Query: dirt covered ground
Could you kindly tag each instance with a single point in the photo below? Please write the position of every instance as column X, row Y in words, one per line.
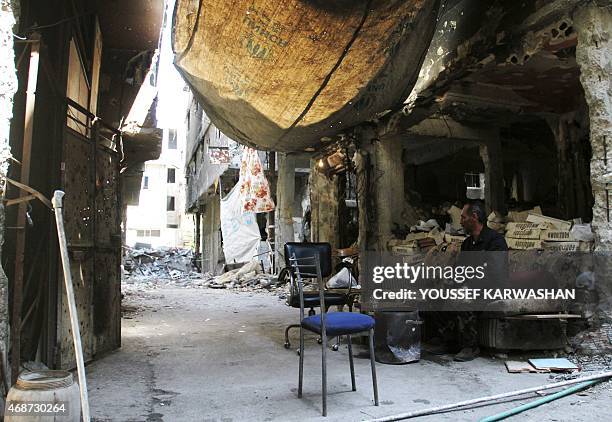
column 202, row 354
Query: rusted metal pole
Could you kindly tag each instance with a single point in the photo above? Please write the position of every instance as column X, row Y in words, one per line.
column 58, row 207
column 28, row 131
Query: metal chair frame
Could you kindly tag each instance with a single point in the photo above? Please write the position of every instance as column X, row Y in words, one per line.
column 298, row 264
column 292, row 291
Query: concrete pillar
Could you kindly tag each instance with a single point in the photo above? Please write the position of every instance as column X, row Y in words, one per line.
column 271, row 175
column 8, row 87
column 324, row 207
column 361, row 161
column 285, row 196
column 380, row 190
column 491, row 155
column 388, row 188
column 594, row 56
column 211, row 240
column 196, row 237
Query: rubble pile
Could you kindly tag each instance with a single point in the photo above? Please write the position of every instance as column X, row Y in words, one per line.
column 248, row 277
column 150, row 268
column 596, row 341
column 159, row 263
column 426, row 235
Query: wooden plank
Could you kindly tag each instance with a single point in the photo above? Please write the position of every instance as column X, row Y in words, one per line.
column 95, row 71
column 518, row 367
column 555, row 222
column 28, row 132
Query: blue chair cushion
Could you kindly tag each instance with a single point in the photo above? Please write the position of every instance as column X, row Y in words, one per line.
column 339, row 323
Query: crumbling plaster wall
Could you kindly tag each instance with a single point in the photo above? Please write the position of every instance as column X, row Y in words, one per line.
column 594, row 56
column 8, row 87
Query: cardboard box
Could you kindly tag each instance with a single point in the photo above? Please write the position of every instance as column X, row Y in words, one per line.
column 526, row 226
column 449, row 238
column 417, row 235
column 521, row 216
column 403, row 243
column 437, row 235
column 498, row 227
column 405, row 250
column 524, row 244
column 568, row 246
column 555, row 222
column 524, row 234
column 496, row 217
column 552, row 235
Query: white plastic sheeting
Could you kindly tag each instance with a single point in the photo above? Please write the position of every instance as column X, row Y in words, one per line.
column 240, row 231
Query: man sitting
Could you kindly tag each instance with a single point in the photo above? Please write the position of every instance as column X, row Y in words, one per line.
column 461, row 328
column 480, row 238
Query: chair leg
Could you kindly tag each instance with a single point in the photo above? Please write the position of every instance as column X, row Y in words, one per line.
column 301, row 376
column 287, row 343
column 373, row 363
column 324, row 374
column 336, row 346
column 350, row 350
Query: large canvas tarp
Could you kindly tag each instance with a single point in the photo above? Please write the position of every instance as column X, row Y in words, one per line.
column 282, row 74
column 239, row 229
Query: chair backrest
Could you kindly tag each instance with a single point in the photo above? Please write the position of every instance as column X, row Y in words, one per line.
column 308, row 250
column 308, row 267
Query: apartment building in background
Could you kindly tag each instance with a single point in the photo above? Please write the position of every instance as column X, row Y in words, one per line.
column 159, row 219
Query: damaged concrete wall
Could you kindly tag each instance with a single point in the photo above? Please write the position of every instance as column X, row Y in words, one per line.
column 8, row 87
column 389, row 189
column 285, row 198
column 594, row 56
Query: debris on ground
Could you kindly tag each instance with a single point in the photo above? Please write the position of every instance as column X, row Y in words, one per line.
column 249, row 276
column 146, row 269
column 594, row 341
column 169, row 263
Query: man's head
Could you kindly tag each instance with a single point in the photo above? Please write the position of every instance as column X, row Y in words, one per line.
column 473, row 217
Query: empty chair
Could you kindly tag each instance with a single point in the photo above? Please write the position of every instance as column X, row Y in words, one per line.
column 311, row 299
column 328, row 323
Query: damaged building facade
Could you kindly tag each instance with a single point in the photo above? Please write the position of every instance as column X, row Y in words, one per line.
column 511, row 104
column 78, row 114
column 503, row 101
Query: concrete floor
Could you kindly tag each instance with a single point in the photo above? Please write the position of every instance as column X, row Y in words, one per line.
column 217, row 355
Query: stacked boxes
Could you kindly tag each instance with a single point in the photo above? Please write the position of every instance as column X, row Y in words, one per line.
column 546, row 233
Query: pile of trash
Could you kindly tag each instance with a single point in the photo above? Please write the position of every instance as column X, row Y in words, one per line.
column 159, row 263
column 426, row 235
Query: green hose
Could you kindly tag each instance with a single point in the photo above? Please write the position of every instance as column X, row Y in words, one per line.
column 539, row 402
